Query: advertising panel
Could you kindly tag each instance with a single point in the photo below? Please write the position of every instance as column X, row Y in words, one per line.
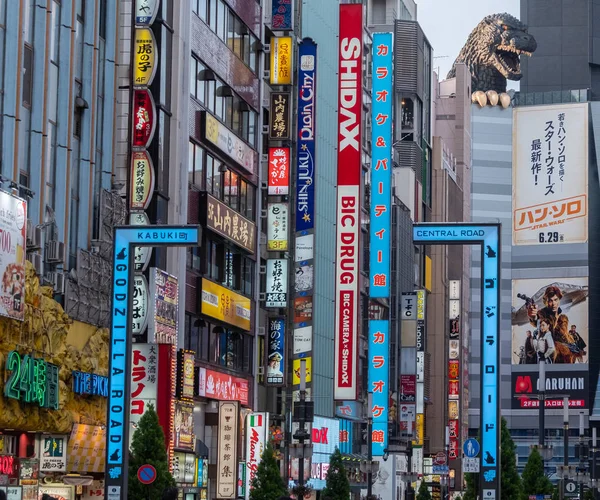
column 13, row 229
column 279, row 171
column 228, row 223
column 281, row 60
column 408, row 412
column 222, row 386
column 221, row 303
column 381, row 167
column 227, row 449
column 550, row 320
column 349, row 172
column 304, row 278
column 145, row 11
column 54, row 453
column 560, row 380
column 144, row 64
column 279, row 116
column 229, row 143
column 142, row 180
column 140, row 313
column 165, row 296
column 304, row 247
column 277, row 283
column 303, row 307
column 550, row 174
column 184, row 467
column 185, row 374
column 296, row 370
column 257, row 428
column 282, row 15
column 302, row 339
column 307, row 99
column 276, row 352
column 277, row 227
column 144, row 382
column 379, row 373
column 325, row 438
column 183, row 426
column 408, row 388
column 345, row 436
column 144, row 118
column 86, row 449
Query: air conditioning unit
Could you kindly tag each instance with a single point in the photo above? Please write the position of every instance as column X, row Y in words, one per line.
column 267, row 74
column 37, row 261
column 57, row 280
column 55, row 251
column 30, row 231
column 34, row 237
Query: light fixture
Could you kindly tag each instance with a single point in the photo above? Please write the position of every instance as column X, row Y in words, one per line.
column 81, row 103
column 224, row 91
column 206, row 75
column 386, row 454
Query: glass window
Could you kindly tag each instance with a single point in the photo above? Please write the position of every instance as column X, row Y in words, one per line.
column 219, row 104
column 250, row 202
column 55, row 31
column 200, row 84
column 252, row 53
column 209, row 173
column 243, row 195
column 212, row 7
column 236, row 120
column 199, row 167
column 252, row 128
column 247, row 40
column 247, row 275
column 234, row 191
column 191, row 155
column 210, row 95
column 216, row 185
column 238, row 45
column 27, row 76
column 202, row 7
column 228, row 111
column 231, row 31
column 193, row 77
column 221, row 20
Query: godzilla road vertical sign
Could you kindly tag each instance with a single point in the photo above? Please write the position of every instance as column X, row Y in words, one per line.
column 348, row 200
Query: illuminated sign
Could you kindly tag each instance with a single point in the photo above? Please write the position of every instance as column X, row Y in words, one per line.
column 144, row 62
column 276, row 352
column 282, row 15
column 227, row 450
column 32, row 380
column 279, row 116
column 145, row 11
column 488, row 237
column 225, row 305
column 140, row 304
column 185, row 372
column 125, row 239
column 144, row 118
column 345, row 436
column 281, row 60
column 566, row 380
column 222, row 386
column 183, row 426
column 305, row 157
column 277, row 227
column 90, row 384
column 144, row 382
column 164, row 313
column 257, row 428
column 379, row 373
column 277, row 283
column 381, row 167
column 142, row 180
column 279, row 171
column 53, row 454
column 229, row 143
column 349, row 174
column 228, row 223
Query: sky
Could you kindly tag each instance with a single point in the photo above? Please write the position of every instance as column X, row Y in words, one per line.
column 447, row 24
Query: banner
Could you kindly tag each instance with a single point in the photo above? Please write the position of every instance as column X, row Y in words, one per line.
column 165, row 297
column 140, row 309
column 185, row 374
column 379, row 374
column 560, row 380
column 142, row 180
column 257, row 428
column 221, row 303
column 144, row 118
column 222, row 386
column 550, row 174
column 276, row 352
column 550, row 320
column 349, row 173
column 307, row 98
column 381, row 167
column 54, row 453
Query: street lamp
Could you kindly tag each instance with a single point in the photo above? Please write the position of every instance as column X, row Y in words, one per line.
column 370, row 467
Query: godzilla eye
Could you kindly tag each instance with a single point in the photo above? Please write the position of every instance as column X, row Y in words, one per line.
column 504, row 27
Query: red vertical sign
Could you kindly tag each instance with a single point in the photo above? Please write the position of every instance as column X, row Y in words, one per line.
column 348, row 200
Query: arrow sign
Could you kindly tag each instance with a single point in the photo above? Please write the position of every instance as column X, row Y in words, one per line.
column 146, row 474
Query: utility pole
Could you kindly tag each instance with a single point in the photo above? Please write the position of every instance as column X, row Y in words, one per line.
column 303, row 413
column 582, row 452
column 370, row 445
column 565, row 444
column 542, row 402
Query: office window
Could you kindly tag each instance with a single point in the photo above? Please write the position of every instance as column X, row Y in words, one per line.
column 27, row 76
column 210, row 95
column 221, row 19
column 196, row 165
column 212, row 14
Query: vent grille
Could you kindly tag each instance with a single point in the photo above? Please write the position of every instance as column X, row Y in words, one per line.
column 406, row 74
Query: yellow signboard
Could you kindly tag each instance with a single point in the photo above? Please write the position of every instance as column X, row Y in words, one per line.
column 296, row 368
column 220, row 303
column 144, row 57
column 281, row 60
column 420, row 428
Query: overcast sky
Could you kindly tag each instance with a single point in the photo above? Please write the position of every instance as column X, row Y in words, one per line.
column 447, row 25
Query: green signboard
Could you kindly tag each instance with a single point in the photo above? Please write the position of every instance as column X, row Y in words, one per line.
column 33, row 380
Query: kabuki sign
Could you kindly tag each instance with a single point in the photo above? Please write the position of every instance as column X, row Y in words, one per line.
column 348, row 200
column 125, row 239
column 550, row 174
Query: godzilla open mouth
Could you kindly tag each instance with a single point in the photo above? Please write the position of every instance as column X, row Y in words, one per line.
column 508, row 57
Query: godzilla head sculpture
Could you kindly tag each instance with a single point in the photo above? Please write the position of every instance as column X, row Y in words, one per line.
column 492, row 52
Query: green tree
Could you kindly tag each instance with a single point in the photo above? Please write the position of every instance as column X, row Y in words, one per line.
column 337, row 484
column 148, row 447
column 535, row 481
column 423, row 493
column 267, row 483
column 510, row 482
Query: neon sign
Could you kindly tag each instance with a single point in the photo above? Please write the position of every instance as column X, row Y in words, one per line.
column 90, row 384
column 33, row 380
column 488, row 237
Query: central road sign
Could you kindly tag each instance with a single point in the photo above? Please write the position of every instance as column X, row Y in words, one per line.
column 146, row 474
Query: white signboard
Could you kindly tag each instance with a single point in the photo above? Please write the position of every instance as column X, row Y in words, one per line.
column 13, row 232
column 471, row 464
column 304, row 247
column 54, row 453
column 277, row 227
column 257, row 428
column 145, row 12
column 227, row 449
column 144, row 385
column 277, row 283
column 142, row 254
column 302, row 339
column 229, row 143
column 12, row 492
column 550, row 174
column 140, row 304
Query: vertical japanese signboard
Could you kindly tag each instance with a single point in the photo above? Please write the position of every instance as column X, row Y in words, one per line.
column 277, row 227
column 281, row 60
column 144, row 66
column 279, row 171
column 550, row 174
column 282, row 18
column 277, row 283
column 279, row 116
column 276, row 352
column 379, row 372
column 227, row 449
column 348, row 200
column 144, row 387
column 257, row 429
column 165, row 295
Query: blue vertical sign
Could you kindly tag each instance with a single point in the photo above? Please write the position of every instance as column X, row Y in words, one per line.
column 488, row 237
column 282, row 15
column 381, row 166
column 276, row 352
column 345, row 436
column 305, row 171
column 379, row 374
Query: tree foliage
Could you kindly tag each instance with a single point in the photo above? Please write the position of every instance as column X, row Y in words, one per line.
column 267, row 484
column 148, row 447
column 535, row 481
column 510, row 482
column 423, row 493
column 337, row 484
